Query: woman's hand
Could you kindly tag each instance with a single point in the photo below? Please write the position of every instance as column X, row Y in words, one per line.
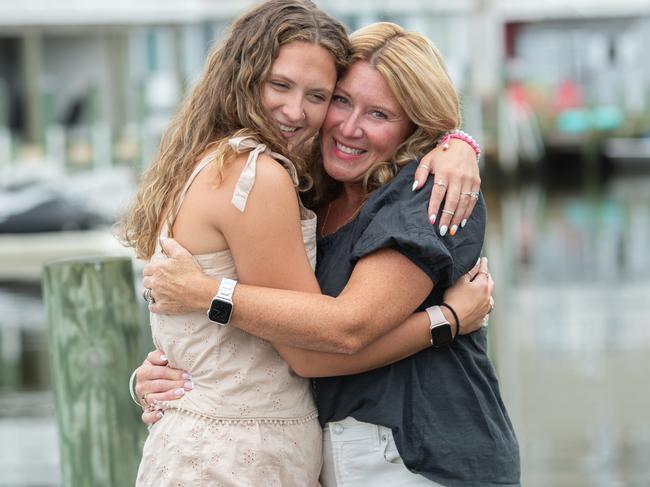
column 178, row 285
column 471, row 297
column 456, row 175
column 157, row 382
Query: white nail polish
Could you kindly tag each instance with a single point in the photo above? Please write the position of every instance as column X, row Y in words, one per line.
column 179, row 392
column 187, row 376
column 463, row 223
column 159, row 414
column 415, row 185
column 189, row 385
column 478, row 261
column 443, row 230
column 163, row 358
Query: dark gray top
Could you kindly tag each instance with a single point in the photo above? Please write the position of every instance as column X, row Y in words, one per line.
column 443, row 405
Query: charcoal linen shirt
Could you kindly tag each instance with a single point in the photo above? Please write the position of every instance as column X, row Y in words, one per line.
column 443, row 405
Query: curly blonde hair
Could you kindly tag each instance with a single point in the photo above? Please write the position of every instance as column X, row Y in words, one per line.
column 227, row 102
column 417, row 77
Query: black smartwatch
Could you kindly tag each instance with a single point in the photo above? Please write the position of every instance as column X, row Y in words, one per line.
column 440, row 328
column 221, row 308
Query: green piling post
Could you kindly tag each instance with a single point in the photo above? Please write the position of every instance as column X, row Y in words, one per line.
column 94, row 335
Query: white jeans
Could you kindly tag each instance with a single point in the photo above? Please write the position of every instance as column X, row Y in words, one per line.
column 363, row 454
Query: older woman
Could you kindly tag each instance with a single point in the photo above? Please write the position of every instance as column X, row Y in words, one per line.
column 426, row 415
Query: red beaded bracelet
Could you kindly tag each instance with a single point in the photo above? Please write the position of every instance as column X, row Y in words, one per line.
column 460, row 135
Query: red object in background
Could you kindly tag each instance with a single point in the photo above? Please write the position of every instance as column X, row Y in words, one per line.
column 510, row 32
column 567, row 96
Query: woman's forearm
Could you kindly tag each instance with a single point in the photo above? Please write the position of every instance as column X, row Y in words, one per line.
column 366, row 309
column 293, row 318
column 405, row 340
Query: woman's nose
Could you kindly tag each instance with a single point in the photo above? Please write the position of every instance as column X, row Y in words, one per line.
column 294, row 110
column 350, row 126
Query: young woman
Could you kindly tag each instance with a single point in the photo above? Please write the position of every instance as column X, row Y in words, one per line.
column 434, row 417
column 221, row 182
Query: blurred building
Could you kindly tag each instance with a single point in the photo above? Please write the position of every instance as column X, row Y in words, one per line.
column 93, row 83
column 88, row 83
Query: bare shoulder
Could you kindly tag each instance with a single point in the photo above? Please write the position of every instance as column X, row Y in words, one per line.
column 273, row 173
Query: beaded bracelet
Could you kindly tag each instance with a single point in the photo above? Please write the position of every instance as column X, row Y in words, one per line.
column 461, row 135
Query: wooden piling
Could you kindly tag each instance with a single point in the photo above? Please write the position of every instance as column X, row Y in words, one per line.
column 94, row 335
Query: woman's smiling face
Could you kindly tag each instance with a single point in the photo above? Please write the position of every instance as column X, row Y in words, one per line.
column 298, row 89
column 364, row 124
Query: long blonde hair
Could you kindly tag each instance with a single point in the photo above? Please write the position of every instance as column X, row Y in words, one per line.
column 227, row 102
column 417, row 77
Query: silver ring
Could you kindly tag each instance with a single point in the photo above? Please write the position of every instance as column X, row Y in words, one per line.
column 449, row 212
column 424, row 166
column 491, row 304
column 441, row 183
column 146, row 295
column 472, row 194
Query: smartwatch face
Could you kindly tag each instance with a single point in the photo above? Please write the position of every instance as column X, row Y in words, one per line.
column 220, row 311
column 441, row 335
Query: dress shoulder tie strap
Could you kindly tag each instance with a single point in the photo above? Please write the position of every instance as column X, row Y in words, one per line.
column 247, row 177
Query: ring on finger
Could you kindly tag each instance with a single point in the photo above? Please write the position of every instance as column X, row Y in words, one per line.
column 449, row 212
column 423, row 165
column 491, row 304
column 487, row 274
column 485, row 320
column 441, row 183
column 144, row 398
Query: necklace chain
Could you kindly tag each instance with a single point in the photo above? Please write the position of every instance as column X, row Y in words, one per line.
column 348, row 220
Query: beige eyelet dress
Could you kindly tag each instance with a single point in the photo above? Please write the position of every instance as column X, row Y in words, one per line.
column 249, row 421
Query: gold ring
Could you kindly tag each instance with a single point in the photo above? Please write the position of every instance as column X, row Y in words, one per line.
column 449, row 212
column 424, row 166
column 487, row 274
column 143, row 398
column 441, row 183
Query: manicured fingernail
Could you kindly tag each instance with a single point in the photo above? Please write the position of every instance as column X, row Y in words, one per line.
column 443, row 230
column 163, row 358
column 478, row 261
column 189, row 385
column 187, row 376
column 432, row 219
column 463, row 223
column 179, row 392
column 415, row 185
column 159, row 414
column 453, row 230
